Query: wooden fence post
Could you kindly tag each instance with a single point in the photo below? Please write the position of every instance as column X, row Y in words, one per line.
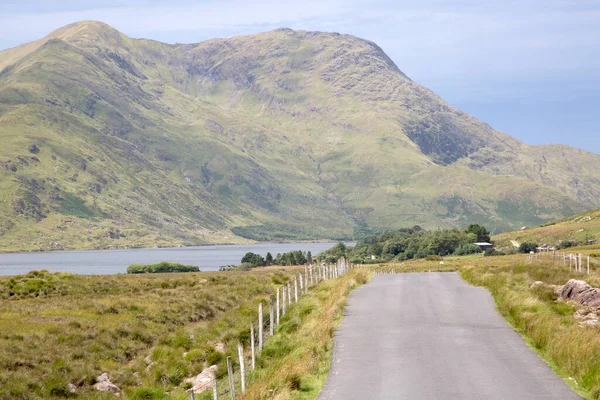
column 214, row 388
column 295, row 290
column 283, row 300
column 252, row 346
column 260, row 328
column 588, row 265
column 242, row 369
column 272, row 316
column 570, row 262
column 305, row 282
column 301, row 283
column 310, row 272
column 193, row 394
column 278, row 306
column 289, row 292
column 230, row 374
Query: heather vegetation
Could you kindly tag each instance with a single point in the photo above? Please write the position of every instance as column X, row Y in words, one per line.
column 148, row 331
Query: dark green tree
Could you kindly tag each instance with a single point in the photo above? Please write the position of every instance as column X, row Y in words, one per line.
column 527, row 247
column 256, row 260
column 269, row 259
column 483, row 235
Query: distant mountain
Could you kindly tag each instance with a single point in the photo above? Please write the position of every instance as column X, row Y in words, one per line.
column 112, row 141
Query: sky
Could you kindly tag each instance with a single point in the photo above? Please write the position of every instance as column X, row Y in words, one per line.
column 530, row 68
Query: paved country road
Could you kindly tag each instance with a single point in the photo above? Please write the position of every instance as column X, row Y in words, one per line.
column 433, row 336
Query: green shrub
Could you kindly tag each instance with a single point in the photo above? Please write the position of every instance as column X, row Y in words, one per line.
column 565, row 244
column 148, row 393
column 161, row 267
column 466, row 249
column 57, row 387
column 214, row 357
column 527, row 247
column 492, row 253
column 433, row 257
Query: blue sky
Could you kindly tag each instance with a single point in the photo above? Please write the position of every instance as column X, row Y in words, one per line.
column 530, row 68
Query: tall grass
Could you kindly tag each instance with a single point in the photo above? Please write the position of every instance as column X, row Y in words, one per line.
column 57, row 329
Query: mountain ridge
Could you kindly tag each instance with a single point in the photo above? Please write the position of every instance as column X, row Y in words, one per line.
column 314, row 134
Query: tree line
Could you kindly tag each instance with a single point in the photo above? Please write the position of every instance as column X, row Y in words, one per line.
column 296, row 257
column 409, row 243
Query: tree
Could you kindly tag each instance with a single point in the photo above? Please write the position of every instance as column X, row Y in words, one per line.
column 527, row 247
column 483, row 235
column 248, row 257
column 255, row 260
column 269, row 259
column 309, row 256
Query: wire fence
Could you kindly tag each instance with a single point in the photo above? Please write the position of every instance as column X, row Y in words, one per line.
column 576, row 262
column 269, row 317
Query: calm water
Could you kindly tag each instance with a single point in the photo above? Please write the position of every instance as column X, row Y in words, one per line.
column 90, row 262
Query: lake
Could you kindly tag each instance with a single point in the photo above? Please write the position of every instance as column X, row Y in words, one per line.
column 102, row 262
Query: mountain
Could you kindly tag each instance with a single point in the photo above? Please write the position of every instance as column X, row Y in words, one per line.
column 109, row 141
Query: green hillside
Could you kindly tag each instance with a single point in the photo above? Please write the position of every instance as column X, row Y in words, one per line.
column 581, row 229
column 109, row 141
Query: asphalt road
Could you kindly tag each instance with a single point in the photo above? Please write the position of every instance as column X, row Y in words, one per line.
column 433, row 336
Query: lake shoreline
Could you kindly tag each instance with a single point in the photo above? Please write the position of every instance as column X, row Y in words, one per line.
column 3, row 251
column 115, row 261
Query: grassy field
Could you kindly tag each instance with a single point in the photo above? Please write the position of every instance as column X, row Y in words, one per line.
column 62, row 328
column 151, row 331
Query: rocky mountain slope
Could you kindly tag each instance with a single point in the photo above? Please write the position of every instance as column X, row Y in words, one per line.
column 112, row 141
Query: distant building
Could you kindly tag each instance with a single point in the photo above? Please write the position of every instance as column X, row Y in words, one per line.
column 484, row 245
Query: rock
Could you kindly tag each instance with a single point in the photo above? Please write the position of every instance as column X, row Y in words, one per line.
column 573, row 288
column 148, row 359
column 103, row 384
column 586, row 313
column 536, row 284
column 204, row 380
column 33, row 148
column 589, row 322
column 71, row 387
column 220, row 347
column 557, row 290
column 581, row 293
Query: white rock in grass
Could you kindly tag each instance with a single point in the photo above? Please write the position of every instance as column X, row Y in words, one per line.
column 536, row 284
column 72, row 388
column 103, row 384
column 220, row 347
column 204, row 380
